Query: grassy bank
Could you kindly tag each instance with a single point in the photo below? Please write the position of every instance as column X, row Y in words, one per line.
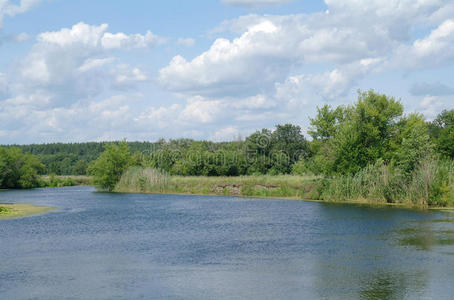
column 14, row 211
column 152, row 181
column 431, row 185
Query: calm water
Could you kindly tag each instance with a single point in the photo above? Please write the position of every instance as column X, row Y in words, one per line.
column 108, row 246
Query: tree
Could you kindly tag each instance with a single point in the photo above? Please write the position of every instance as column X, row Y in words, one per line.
column 288, row 145
column 80, row 168
column 442, row 132
column 325, row 124
column 110, row 165
column 18, row 170
column 414, row 143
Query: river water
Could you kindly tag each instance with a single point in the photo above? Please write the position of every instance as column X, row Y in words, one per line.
column 132, row 246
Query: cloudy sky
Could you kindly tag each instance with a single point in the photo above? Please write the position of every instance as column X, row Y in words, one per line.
column 91, row 70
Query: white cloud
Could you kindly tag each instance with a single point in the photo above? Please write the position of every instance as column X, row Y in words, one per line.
column 125, row 75
column 276, row 69
column 199, row 110
column 91, row 63
column 97, row 37
column 432, row 51
column 270, row 47
column 77, row 63
column 124, row 41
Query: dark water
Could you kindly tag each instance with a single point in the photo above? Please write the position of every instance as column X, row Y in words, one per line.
column 108, row 246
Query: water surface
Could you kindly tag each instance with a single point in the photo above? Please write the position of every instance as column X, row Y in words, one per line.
column 118, row 246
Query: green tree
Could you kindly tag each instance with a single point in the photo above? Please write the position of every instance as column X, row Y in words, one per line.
column 18, row 170
column 442, row 131
column 414, row 143
column 110, row 165
column 366, row 133
column 80, row 168
column 324, row 125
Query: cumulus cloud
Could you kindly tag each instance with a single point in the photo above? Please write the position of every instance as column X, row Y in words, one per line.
column 275, row 69
column 77, row 62
column 232, row 66
column 270, row 47
column 432, row 51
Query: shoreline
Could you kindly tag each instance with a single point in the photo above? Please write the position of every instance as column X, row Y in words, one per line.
column 285, row 187
column 22, row 210
column 359, row 203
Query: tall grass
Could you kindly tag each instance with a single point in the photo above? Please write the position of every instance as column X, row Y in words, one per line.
column 430, row 184
column 137, row 179
column 149, row 180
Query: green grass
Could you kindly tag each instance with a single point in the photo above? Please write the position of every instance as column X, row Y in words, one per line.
column 430, row 185
column 137, row 180
column 14, row 211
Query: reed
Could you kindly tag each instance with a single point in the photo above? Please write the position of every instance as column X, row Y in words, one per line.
column 137, row 179
column 431, row 184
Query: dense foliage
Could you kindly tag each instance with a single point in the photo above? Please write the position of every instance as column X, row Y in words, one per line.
column 74, row 158
column 110, row 165
column 18, row 170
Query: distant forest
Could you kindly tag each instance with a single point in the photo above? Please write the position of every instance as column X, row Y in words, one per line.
column 74, row 158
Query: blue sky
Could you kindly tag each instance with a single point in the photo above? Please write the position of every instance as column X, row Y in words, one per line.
column 73, row 71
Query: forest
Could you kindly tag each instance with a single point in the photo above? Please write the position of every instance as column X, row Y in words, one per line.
column 370, row 144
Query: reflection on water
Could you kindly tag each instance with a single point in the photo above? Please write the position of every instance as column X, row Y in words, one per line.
column 381, row 285
column 109, row 246
column 427, row 234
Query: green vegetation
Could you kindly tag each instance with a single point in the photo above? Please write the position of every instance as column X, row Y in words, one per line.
column 18, row 170
column 62, row 181
column 430, row 184
column 369, row 151
column 14, row 211
column 110, row 165
column 4, row 210
column 281, row 186
column 74, row 158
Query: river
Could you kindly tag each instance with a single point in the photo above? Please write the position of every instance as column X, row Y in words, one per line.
column 133, row 246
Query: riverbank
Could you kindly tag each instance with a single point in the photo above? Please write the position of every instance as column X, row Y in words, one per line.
column 296, row 187
column 309, row 188
column 15, row 211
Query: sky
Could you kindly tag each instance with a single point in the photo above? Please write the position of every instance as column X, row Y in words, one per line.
column 101, row 70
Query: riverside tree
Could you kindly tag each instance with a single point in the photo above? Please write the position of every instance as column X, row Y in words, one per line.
column 110, row 165
column 18, row 170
